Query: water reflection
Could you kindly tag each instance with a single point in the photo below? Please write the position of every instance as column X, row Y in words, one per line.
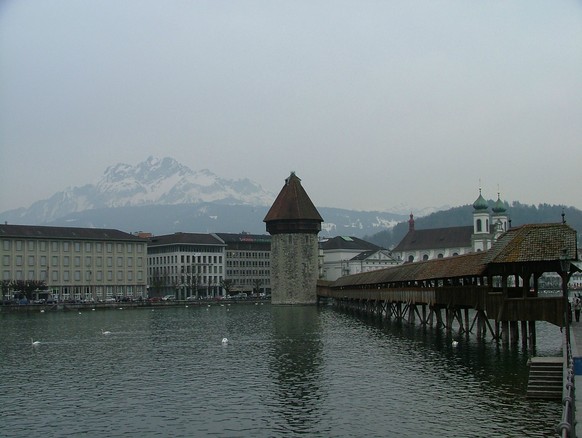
column 296, row 364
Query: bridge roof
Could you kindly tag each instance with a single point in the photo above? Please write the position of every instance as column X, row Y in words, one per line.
column 531, row 243
column 535, row 243
column 466, row 265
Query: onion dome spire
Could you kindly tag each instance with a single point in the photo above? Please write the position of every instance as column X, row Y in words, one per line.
column 480, row 203
column 499, row 206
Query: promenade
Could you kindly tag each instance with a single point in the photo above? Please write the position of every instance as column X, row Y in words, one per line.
column 576, row 340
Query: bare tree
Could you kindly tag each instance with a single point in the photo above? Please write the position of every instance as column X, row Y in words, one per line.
column 227, row 285
column 257, row 283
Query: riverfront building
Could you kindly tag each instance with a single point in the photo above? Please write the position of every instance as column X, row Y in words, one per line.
column 436, row 243
column 248, row 262
column 343, row 255
column 75, row 263
column 294, row 223
column 186, row 265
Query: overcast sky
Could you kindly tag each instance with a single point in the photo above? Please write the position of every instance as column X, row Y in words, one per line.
column 374, row 104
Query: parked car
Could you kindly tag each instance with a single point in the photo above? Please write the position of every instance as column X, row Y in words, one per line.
column 169, row 298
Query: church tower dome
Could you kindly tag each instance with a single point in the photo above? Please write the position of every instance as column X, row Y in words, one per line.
column 499, row 206
column 480, row 203
column 500, row 218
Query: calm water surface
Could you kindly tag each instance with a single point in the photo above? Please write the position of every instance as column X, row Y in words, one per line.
column 286, row 371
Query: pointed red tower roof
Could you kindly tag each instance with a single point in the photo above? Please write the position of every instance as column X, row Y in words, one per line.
column 293, row 211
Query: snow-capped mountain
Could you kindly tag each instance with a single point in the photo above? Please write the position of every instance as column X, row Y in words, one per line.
column 163, row 196
column 152, row 182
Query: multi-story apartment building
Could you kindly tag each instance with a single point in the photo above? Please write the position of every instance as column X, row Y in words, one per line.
column 248, row 262
column 75, row 263
column 186, row 265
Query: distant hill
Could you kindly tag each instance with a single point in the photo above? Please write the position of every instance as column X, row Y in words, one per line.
column 208, row 217
column 519, row 214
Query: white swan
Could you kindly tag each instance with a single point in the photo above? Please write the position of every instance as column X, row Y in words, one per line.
column 455, row 343
column 105, row 332
column 224, row 341
column 34, row 343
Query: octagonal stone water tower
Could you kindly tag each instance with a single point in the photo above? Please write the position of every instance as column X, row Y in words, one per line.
column 294, row 223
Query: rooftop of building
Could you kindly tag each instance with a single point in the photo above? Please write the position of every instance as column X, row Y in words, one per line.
column 186, row 238
column 48, row 232
column 293, row 203
column 433, row 238
column 348, row 243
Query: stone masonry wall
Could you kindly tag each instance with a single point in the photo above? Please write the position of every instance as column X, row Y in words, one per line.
column 294, row 269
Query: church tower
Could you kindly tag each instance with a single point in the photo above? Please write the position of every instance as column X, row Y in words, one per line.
column 294, row 223
column 499, row 218
column 481, row 237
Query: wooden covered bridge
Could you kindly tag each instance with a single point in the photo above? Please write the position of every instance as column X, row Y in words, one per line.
column 500, row 285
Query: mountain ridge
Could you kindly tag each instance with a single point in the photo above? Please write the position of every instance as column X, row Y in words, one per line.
column 162, row 196
column 152, row 182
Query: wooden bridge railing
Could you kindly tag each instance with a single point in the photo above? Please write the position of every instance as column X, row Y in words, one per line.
column 493, row 303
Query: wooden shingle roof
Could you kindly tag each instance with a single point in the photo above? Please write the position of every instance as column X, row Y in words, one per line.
column 466, row 265
column 526, row 244
column 293, row 203
column 535, row 243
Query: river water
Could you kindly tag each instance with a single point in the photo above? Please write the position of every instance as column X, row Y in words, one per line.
column 285, row 371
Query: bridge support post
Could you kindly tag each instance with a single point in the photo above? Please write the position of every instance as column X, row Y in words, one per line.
column 448, row 319
column 505, row 332
column 480, row 325
column 524, row 335
column 514, row 332
column 411, row 313
column 532, row 334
